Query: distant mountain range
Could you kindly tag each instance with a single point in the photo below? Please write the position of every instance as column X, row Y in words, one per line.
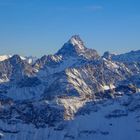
column 75, row 94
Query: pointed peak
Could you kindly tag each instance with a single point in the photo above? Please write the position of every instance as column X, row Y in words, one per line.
column 73, row 47
column 76, row 37
column 16, row 59
column 76, row 41
column 16, row 56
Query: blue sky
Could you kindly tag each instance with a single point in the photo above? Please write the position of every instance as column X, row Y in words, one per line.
column 38, row 27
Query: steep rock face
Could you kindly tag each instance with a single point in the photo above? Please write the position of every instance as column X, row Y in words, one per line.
column 88, row 79
column 73, row 71
column 47, row 60
column 76, row 48
column 131, row 60
column 67, row 73
column 14, row 68
column 56, row 95
column 100, row 120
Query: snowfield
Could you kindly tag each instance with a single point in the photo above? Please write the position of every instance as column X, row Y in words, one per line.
column 75, row 94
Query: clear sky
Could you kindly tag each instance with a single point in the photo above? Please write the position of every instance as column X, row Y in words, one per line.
column 38, row 27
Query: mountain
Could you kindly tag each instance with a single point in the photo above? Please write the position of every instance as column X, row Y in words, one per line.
column 73, row 94
column 4, row 57
column 29, row 59
column 15, row 68
column 133, row 56
column 131, row 59
column 75, row 48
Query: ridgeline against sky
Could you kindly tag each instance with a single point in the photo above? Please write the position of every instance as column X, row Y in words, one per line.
column 37, row 27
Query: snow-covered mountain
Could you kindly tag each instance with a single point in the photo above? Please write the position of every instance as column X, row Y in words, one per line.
column 4, row 57
column 29, row 59
column 133, row 56
column 75, row 48
column 73, row 94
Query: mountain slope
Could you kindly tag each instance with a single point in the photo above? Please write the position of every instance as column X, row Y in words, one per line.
column 73, row 94
column 133, row 56
column 75, row 48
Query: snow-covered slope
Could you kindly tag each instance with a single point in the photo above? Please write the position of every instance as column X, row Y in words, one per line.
column 117, row 119
column 74, row 94
column 133, row 56
column 4, row 57
column 75, row 48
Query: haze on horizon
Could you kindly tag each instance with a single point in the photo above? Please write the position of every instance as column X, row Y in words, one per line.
column 38, row 27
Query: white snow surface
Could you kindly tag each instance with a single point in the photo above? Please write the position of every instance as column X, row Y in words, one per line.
column 91, row 125
column 4, row 57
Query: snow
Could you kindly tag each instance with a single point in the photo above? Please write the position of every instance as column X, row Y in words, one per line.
column 28, row 59
column 133, row 56
column 106, row 87
column 77, row 42
column 110, row 64
column 4, row 57
column 23, row 58
column 72, row 105
column 43, row 73
column 4, row 78
column 25, row 93
column 1, row 135
column 82, row 116
column 84, row 126
column 75, row 78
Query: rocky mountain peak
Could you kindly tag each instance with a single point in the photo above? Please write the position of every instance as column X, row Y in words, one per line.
column 77, row 42
column 15, row 59
column 55, row 96
column 73, row 47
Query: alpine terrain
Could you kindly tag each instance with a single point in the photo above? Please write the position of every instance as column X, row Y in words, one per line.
column 75, row 94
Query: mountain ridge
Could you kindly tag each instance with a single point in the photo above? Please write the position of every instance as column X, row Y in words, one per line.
column 52, row 94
